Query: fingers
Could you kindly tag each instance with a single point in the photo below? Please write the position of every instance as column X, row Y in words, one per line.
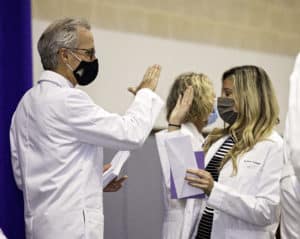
column 151, row 77
column 202, row 183
column 149, row 81
column 199, row 185
column 106, row 167
column 188, row 96
column 115, row 185
column 148, row 73
column 111, row 188
column 204, row 187
column 156, row 72
column 202, row 177
column 178, row 102
column 152, row 72
column 132, row 90
column 204, row 180
column 192, row 171
column 183, row 104
column 121, row 180
column 198, row 172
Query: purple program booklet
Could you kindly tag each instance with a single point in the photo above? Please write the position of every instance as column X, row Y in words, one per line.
column 199, row 157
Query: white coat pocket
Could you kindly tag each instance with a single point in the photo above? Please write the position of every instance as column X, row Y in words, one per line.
column 248, row 176
column 67, row 224
column 249, row 167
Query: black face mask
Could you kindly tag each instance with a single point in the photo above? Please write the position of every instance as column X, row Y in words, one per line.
column 86, row 72
column 225, row 109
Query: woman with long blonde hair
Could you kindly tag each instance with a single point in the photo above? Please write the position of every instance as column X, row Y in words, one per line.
column 243, row 160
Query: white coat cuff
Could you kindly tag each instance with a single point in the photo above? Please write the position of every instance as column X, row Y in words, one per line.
column 175, row 133
column 216, row 196
column 147, row 92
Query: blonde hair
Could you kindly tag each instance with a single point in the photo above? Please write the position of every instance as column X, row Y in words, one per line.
column 203, row 101
column 258, row 111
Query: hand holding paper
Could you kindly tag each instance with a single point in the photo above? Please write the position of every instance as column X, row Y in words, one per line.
column 181, row 157
column 117, row 164
column 115, row 185
column 203, row 180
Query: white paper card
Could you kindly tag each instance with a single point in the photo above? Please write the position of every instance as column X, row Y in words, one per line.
column 181, row 157
column 117, row 165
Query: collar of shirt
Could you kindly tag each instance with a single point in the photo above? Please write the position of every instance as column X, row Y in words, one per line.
column 55, row 78
column 190, row 128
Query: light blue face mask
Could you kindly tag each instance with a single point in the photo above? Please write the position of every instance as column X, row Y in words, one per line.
column 212, row 118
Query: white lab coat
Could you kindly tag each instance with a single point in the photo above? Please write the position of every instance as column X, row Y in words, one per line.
column 247, row 205
column 180, row 216
column 2, row 236
column 57, row 139
column 290, row 204
column 290, row 182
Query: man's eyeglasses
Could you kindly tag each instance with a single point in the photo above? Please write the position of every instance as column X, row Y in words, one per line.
column 88, row 52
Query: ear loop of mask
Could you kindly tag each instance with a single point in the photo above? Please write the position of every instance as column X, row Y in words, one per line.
column 77, row 58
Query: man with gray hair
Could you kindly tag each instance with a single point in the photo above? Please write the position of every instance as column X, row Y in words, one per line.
column 58, row 134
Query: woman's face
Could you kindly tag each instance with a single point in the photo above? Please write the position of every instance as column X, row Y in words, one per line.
column 227, row 88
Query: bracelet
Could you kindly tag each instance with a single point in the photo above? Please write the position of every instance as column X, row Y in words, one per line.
column 175, row 125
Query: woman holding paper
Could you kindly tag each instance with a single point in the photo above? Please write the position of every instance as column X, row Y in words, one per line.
column 243, row 160
column 180, row 215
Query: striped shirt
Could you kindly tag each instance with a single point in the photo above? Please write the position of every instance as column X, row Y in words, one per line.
column 205, row 225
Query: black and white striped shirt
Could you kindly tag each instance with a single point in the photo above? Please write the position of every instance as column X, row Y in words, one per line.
column 205, row 225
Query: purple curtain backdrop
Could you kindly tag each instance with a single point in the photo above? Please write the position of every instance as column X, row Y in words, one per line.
column 16, row 79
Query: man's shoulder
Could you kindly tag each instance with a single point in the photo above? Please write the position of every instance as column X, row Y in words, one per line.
column 74, row 94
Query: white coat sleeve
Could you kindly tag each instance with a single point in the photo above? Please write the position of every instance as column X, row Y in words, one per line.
column 14, row 157
column 93, row 125
column 261, row 209
column 292, row 131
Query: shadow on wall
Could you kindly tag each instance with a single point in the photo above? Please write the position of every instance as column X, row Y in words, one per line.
column 136, row 211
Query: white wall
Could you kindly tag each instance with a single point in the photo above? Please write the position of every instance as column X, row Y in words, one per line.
column 124, row 58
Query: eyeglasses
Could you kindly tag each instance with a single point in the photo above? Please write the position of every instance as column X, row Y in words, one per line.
column 88, row 52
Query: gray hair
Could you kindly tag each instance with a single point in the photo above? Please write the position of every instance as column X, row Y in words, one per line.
column 61, row 33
